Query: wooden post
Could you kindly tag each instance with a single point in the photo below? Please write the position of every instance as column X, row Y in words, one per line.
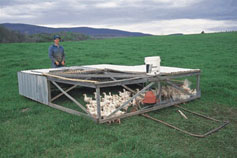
column 98, row 103
column 198, row 84
column 49, row 91
column 159, row 91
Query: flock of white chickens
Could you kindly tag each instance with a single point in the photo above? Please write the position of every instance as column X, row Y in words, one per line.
column 174, row 94
column 109, row 103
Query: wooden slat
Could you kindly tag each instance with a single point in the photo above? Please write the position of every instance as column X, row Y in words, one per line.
column 108, row 75
column 98, row 103
column 121, row 82
column 70, row 111
column 59, row 95
column 155, row 107
column 126, row 103
column 70, row 97
column 69, row 79
column 91, row 85
column 49, row 91
column 179, row 88
column 124, row 86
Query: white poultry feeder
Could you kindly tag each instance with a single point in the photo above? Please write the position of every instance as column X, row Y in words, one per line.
column 152, row 65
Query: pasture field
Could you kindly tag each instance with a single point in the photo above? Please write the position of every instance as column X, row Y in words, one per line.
column 31, row 129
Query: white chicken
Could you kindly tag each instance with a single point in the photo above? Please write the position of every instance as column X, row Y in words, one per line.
column 87, row 99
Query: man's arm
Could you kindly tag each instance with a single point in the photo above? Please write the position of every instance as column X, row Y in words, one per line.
column 51, row 55
column 63, row 60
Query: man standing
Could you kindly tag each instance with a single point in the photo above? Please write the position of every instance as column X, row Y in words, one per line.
column 56, row 53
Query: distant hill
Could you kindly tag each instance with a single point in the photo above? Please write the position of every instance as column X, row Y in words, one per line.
column 92, row 32
column 176, row 34
column 13, row 36
column 9, row 36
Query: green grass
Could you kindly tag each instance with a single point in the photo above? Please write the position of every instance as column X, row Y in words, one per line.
column 41, row 131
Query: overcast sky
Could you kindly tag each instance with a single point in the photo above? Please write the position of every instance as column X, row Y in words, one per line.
column 159, row 17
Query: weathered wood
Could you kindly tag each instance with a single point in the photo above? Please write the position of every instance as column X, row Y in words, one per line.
column 91, row 85
column 185, row 72
column 69, row 79
column 187, row 132
column 135, row 80
column 155, row 107
column 169, row 76
column 121, row 82
column 198, row 84
column 179, row 88
column 182, row 114
column 49, row 91
column 118, row 71
column 159, row 92
column 70, row 111
column 59, row 95
column 81, row 70
column 108, row 75
column 124, row 86
column 71, row 98
column 129, row 100
column 98, row 103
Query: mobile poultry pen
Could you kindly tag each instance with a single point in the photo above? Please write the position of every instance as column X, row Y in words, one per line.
column 37, row 85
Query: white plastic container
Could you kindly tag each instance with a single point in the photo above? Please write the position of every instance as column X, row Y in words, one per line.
column 152, row 65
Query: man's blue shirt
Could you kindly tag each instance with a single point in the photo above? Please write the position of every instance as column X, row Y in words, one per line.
column 56, row 53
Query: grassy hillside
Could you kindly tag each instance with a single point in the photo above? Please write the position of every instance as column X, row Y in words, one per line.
column 30, row 129
column 11, row 36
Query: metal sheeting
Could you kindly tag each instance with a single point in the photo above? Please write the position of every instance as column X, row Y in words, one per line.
column 33, row 86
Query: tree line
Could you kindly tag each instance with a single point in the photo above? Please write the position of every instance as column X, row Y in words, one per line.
column 10, row 36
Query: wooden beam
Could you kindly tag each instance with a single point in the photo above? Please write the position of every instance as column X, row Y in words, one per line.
column 70, row 111
column 124, row 86
column 69, row 79
column 91, row 85
column 71, row 98
column 179, row 88
column 59, row 95
column 198, row 83
column 155, row 107
column 120, row 81
column 107, row 75
column 98, row 103
column 170, row 76
column 126, row 103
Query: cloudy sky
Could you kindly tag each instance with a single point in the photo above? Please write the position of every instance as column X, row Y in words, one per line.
column 159, row 17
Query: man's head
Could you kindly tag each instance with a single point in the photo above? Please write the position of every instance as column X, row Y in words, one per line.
column 57, row 39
